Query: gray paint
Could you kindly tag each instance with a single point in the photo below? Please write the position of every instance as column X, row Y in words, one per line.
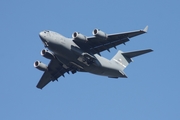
column 82, row 54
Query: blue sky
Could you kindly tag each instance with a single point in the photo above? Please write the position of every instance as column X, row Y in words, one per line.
column 151, row 91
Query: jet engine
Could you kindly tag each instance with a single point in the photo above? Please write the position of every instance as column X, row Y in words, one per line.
column 40, row 66
column 99, row 34
column 79, row 37
column 45, row 53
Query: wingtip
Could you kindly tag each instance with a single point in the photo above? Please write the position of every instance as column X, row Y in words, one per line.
column 39, row 87
column 146, row 29
column 151, row 50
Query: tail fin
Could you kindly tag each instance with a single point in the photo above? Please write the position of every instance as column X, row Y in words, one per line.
column 124, row 58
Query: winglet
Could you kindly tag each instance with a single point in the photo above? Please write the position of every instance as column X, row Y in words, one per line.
column 145, row 29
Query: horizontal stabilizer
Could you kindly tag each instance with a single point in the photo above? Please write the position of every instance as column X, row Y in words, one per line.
column 136, row 53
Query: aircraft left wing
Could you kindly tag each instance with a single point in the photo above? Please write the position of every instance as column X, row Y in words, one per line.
column 54, row 70
column 102, row 41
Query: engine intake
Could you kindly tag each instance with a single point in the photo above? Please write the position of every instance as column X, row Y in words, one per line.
column 40, row 66
column 100, row 34
column 79, row 37
column 45, row 53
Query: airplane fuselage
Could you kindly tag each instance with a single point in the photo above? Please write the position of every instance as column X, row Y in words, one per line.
column 70, row 54
column 81, row 53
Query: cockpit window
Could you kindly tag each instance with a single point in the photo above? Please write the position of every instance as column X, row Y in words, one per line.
column 46, row 31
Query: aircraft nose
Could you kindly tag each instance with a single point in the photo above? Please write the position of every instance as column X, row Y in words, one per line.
column 41, row 35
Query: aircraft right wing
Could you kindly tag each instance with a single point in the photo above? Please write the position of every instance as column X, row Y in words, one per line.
column 55, row 70
column 96, row 44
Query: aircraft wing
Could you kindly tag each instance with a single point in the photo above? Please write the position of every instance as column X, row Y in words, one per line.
column 55, row 70
column 96, row 45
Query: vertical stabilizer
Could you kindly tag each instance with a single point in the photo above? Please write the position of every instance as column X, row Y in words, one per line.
column 121, row 60
column 124, row 58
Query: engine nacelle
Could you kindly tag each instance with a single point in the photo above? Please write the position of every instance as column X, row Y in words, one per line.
column 40, row 66
column 79, row 37
column 45, row 53
column 99, row 34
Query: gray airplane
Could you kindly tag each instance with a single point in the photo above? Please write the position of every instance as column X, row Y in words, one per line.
column 82, row 54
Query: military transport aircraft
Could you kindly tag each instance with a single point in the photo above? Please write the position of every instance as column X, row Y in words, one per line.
column 82, row 54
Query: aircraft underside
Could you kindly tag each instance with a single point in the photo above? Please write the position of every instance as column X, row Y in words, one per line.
column 82, row 54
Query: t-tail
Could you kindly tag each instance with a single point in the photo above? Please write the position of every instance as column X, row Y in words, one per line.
column 124, row 58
